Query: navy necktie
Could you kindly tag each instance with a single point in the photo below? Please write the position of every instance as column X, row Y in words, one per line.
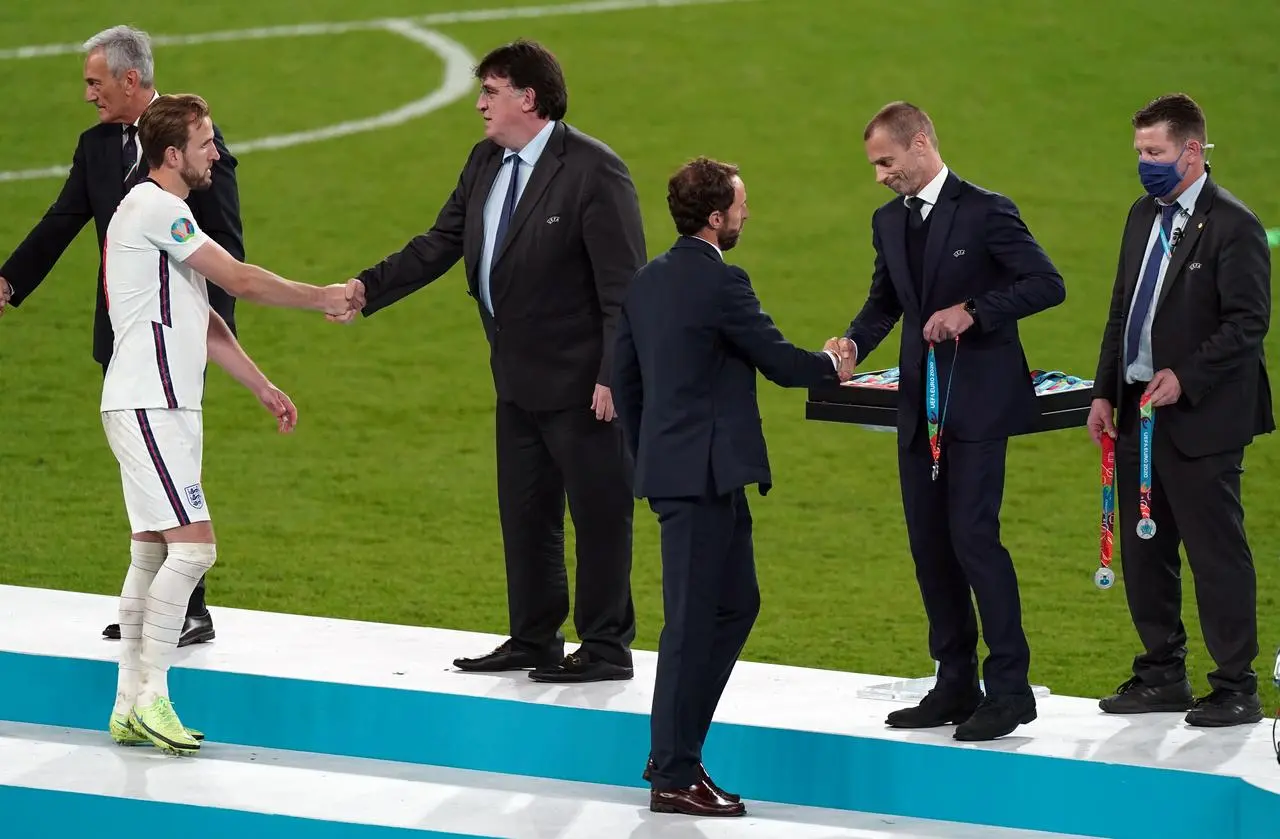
column 508, row 208
column 1147, row 286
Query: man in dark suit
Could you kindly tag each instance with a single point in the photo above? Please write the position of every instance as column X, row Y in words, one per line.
column 547, row 222
column 690, row 339
column 1189, row 310
column 957, row 264
column 119, row 74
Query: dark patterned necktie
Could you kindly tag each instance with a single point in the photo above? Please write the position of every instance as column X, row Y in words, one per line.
column 130, row 155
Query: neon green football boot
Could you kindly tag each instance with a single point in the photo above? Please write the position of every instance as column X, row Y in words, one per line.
column 160, row 724
column 125, row 734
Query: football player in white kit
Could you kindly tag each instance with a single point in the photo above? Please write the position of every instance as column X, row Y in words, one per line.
column 155, row 264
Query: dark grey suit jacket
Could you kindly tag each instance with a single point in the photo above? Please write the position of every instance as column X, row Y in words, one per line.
column 1212, row 314
column 558, row 280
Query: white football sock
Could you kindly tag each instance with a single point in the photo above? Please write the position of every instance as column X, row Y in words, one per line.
column 145, row 559
column 166, row 612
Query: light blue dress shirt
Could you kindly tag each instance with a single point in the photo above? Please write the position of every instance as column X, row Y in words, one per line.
column 497, row 194
column 1142, row 368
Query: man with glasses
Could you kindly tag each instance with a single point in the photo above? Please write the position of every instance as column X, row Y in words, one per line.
column 547, row 223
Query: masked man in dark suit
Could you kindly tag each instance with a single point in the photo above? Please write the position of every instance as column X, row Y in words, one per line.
column 119, row 75
column 690, row 340
column 1189, row 311
column 958, row 266
column 547, row 223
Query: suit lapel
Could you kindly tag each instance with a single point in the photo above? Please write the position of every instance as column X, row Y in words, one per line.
column 548, row 165
column 893, row 233
column 1187, row 244
column 113, row 148
column 1135, row 247
column 940, row 218
column 474, row 245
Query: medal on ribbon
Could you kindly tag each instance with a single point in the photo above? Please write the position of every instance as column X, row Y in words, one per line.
column 1146, row 425
column 936, row 418
column 1104, row 577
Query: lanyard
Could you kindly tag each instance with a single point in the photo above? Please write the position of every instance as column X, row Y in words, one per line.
column 1164, row 240
column 1104, row 577
column 936, row 419
column 1146, row 424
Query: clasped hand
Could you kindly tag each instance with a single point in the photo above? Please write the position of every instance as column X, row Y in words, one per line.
column 343, row 301
column 6, row 292
column 848, row 355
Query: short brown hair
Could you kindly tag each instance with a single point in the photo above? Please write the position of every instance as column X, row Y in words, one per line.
column 700, row 187
column 903, row 121
column 1180, row 111
column 167, row 122
column 529, row 64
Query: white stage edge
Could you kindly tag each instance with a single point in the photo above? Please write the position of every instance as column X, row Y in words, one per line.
column 773, row 722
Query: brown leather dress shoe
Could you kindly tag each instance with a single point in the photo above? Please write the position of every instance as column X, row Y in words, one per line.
column 702, row 774
column 698, row 799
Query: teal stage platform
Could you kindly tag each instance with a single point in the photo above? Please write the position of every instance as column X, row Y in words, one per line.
column 320, row 727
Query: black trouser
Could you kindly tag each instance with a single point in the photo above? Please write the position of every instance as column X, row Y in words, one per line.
column 544, row 456
column 1195, row 502
column 196, row 605
column 953, row 525
column 710, row 601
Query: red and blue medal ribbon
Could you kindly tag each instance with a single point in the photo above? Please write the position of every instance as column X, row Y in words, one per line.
column 1104, row 577
column 937, row 418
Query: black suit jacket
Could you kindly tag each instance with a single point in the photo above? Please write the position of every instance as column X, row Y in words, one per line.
column 1212, row 314
column 93, row 190
column 574, row 243
column 690, row 340
column 978, row 248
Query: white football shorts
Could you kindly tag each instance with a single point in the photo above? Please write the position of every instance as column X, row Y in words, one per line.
column 159, row 452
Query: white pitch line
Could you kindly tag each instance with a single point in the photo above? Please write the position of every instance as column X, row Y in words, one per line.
column 458, row 64
column 458, row 82
column 453, row 53
column 341, row 27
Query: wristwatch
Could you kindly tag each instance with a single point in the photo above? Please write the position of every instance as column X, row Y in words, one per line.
column 971, row 308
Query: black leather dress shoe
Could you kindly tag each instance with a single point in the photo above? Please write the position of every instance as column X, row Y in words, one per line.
column 195, row 630
column 1223, row 708
column 702, row 776
column 996, row 717
column 939, row 707
column 506, row 656
column 1134, row 697
column 582, row 666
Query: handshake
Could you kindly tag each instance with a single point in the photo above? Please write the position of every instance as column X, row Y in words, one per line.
column 847, row 354
column 343, row 301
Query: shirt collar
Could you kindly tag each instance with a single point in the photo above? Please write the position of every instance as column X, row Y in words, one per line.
column 155, row 94
column 1187, row 200
column 533, row 149
column 719, row 252
column 929, row 194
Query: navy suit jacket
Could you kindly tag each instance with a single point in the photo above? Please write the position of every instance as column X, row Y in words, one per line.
column 691, row 337
column 978, row 248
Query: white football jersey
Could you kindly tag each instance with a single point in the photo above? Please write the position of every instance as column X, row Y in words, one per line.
column 159, row 308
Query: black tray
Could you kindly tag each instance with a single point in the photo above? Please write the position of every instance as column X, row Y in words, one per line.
column 871, row 399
